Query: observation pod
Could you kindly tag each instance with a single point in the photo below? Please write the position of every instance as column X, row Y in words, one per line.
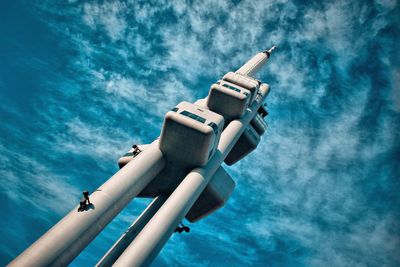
column 214, row 196
column 228, row 99
column 243, row 81
column 250, row 138
column 259, row 124
column 190, row 134
column 247, row 142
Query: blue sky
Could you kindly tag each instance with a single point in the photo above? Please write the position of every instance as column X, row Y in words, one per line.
column 81, row 81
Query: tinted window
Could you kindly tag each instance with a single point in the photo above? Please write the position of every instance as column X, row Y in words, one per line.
column 231, row 87
column 214, row 126
column 193, row 116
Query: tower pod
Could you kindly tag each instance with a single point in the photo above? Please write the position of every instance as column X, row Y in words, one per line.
column 243, row 81
column 247, row 142
column 259, row 124
column 190, row 134
column 228, row 99
column 213, row 197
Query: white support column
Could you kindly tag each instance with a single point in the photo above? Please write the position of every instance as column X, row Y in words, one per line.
column 123, row 242
column 155, row 234
column 62, row 243
column 255, row 63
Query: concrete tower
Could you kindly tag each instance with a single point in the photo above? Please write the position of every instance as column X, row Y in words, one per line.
column 181, row 171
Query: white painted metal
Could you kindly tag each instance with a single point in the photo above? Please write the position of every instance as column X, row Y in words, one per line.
column 201, row 103
column 64, row 241
column 73, row 233
column 255, row 63
column 123, row 242
column 190, row 139
column 244, row 81
column 228, row 99
column 155, row 234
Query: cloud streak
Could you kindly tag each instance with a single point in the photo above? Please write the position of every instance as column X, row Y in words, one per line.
column 321, row 187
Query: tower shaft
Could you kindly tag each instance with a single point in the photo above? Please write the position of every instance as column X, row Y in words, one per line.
column 156, row 233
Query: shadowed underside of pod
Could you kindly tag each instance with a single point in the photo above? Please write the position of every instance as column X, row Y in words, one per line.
column 190, row 134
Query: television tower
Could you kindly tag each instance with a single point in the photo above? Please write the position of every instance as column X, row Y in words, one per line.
column 181, row 170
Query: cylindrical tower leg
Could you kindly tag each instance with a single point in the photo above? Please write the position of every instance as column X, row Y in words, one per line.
column 123, row 242
column 62, row 243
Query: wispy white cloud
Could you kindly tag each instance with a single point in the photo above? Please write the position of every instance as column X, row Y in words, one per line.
column 137, row 60
column 97, row 142
column 109, row 15
column 26, row 180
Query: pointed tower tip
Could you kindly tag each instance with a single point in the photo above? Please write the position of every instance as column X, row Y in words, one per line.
column 269, row 51
column 272, row 49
